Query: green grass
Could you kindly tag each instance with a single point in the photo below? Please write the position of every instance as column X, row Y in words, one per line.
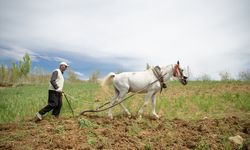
column 19, row 103
column 85, row 123
column 206, row 99
column 18, row 136
column 195, row 100
column 202, row 145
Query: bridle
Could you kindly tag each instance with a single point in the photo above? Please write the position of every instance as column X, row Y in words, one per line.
column 177, row 71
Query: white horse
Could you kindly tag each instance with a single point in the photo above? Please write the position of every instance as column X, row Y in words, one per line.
column 150, row 81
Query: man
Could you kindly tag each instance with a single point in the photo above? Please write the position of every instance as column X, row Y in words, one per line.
column 55, row 93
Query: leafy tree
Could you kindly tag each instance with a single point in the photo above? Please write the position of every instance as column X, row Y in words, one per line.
column 25, row 65
column 20, row 69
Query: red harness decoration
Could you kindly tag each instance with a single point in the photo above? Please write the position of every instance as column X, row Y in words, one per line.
column 176, row 70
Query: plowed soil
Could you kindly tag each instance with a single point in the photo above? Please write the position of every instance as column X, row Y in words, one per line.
column 94, row 132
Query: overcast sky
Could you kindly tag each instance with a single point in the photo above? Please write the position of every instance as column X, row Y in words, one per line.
column 209, row 36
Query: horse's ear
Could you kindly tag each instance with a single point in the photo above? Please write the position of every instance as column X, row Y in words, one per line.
column 178, row 62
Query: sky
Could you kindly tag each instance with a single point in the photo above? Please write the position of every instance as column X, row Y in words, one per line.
column 207, row 36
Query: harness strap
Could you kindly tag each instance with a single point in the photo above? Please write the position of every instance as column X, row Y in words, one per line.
column 157, row 72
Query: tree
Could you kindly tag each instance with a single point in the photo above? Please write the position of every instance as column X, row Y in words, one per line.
column 39, row 75
column 244, row 76
column 147, row 66
column 225, row 76
column 15, row 73
column 3, row 74
column 25, row 65
column 205, row 77
column 21, row 68
column 94, row 76
column 73, row 76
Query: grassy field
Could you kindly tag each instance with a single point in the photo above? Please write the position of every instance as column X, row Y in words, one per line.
column 194, row 101
column 200, row 116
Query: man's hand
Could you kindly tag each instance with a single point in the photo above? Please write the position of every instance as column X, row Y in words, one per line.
column 60, row 91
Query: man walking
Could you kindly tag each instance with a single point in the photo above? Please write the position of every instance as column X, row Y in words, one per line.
column 55, row 93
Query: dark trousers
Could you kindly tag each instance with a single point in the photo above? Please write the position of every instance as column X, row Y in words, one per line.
column 54, row 103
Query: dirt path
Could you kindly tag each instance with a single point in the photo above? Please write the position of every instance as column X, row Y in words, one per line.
column 93, row 132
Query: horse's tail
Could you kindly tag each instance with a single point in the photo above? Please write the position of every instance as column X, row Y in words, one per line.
column 107, row 80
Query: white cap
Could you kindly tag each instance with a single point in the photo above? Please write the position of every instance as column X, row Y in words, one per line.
column 64, row 63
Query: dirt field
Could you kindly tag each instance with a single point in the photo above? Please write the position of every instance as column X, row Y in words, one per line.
column 94, row 132
column 198, row 116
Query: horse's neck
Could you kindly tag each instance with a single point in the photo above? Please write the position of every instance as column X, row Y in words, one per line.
column 167, row 72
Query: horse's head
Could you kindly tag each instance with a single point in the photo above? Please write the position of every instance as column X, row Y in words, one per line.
column 178, row 72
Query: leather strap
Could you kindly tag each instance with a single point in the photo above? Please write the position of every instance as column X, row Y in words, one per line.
column 157, row 72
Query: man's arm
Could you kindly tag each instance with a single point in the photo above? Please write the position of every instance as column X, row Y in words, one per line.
column 53, row 79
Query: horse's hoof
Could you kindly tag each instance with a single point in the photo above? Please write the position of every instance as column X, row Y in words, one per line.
column 110, row 117
column 139, row 117
column 129, row 115
column 156, row 116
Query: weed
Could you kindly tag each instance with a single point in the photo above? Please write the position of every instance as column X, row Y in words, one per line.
column 134, row 129
column 84, row 123
column 92, row 141
column 243, row 102
column 148, row 146
column 60, row 129
column 18, row 136
column 202, row 145
column 104, row 141
column 92, row 138
column 228, row 96
column 226, row 142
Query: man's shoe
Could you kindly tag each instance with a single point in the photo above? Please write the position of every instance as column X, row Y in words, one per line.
column 55, row 116
column 38, row 116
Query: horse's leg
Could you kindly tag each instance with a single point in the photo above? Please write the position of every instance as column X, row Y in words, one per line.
column 120, row 98
column 125, row 109
column 154, row 105
column 112, row 103
column 144, row 104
